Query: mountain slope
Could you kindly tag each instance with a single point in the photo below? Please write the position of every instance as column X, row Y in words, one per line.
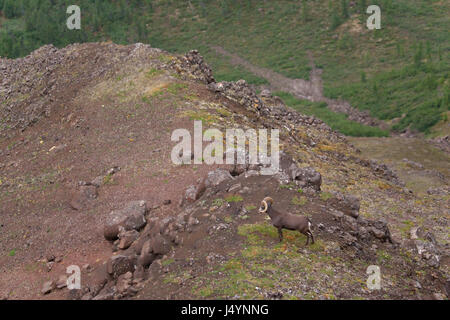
column 399, row 73
column 99, row 137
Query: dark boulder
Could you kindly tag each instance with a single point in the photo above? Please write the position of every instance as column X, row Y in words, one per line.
column 119, row 264
column 132, row 217
column 216, row 177
column 305, row 177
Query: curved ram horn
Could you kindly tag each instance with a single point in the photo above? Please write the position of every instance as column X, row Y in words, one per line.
column 264, row 203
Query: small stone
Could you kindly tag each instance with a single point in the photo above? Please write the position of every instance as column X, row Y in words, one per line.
column 378, row 233
column 89, row 191
column 266, row 93
column 160, row 245
column 338, row 215
column 84, row 196
column 167, row 202
column 87, row 268
column 127, row 238
column 74, row 294
column 49, row 266
column 438, row 296
column 124, row 282
column 138, row 275
column 447, row 288
column 251, row 173
column 106, row 293
column 62, row 282
column 244, row 190
column 98, row 181
column 87, row 296
column 48, row 287
column 193, row 221
column 235, row 187
column 58, row 148
column 194, row 192
column 413, row 233
column 147, row 257
column 113, row 170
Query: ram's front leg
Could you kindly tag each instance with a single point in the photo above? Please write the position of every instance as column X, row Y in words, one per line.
column 307, row 239
column 308, row 235
column 312, row 236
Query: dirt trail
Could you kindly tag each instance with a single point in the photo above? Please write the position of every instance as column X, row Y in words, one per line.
column 310, row 90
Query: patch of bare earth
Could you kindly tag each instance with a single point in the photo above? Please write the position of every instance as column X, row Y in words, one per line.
column 121, row 118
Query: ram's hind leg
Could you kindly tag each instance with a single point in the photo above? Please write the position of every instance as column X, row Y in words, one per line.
column 280, row 234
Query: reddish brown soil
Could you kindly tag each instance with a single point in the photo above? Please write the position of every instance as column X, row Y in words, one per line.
column 36, row 217
column 101, row 130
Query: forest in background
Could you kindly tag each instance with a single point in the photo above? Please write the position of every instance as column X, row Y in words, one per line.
column 399, row 73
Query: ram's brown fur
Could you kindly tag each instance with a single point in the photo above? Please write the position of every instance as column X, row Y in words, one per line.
column 284, row 220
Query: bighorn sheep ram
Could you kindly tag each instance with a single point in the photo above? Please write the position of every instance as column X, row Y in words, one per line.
column 283, row 220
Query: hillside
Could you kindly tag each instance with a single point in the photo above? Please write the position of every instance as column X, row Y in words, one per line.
column 87, row 139
column 398, row 74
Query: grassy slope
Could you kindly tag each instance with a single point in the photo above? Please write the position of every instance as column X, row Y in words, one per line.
column 337, row 121
column 398, row 73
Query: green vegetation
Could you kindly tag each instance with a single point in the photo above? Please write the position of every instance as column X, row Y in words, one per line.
column 406, row 228
column 337, row 121
column 153, row 72
column 167, row 262
column 233, row 198
column 398, row 73
column 108, row 179
column 173, row 88
column 218, row 202
column 299, row 201
column 325, row 196
column 390, row 95
column 383, row 257
column 263, row 264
